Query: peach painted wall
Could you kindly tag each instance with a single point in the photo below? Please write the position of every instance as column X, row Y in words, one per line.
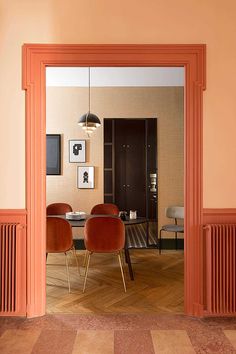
column 105, row 21
column 66, row 104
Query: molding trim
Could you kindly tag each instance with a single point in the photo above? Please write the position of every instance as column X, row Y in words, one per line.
column 36, row 57
column 218, row 216
column 13, row 216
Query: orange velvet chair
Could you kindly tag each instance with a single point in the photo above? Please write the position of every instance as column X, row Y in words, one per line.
column 105, row 209
column 59, row 240
column 104, row 234
column 58, row 208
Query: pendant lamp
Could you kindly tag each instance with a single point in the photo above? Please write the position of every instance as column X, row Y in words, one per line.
column 89, row 121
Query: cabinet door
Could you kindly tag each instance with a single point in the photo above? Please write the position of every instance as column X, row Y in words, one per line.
column 130, row 165
column 136, row 167
column 120, row 163
column 152, row 192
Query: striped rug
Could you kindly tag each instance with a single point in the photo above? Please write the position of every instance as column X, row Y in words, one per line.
column 136, row 236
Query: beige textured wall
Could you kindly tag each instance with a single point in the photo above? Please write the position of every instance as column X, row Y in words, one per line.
column 105, row 21
column 65, row 106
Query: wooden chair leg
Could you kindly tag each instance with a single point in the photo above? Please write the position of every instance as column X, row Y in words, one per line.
column 68, row 274
column 87, row 268
column 121, row 269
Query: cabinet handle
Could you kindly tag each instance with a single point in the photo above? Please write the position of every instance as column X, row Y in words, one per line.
column 128, row 185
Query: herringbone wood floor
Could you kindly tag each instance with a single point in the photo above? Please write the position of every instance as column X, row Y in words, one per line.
column 157, row 288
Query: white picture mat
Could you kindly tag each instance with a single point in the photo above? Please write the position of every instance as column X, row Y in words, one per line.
column 81, row 153
column 85, row 177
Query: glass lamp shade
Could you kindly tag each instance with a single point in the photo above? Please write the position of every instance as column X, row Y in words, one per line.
column 89, row 122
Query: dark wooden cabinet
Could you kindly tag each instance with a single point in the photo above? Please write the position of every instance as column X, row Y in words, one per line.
column 130, row 172
column 130, row 165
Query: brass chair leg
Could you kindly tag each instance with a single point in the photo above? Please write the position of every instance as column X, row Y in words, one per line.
column 86, row 271
column 85, row 258
column 76, row 259
column 122, row 258
column 121, row 269
column 68, row 274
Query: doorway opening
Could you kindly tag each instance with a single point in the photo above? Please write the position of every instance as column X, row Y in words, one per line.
column 126, row 154
column 36, row 57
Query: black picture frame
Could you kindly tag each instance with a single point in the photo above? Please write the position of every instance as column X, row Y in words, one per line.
column 53, row 154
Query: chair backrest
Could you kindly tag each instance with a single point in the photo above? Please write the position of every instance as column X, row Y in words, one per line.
column 59, row 235
column 58, row 208
column 104, row 234
column 175, row 212
column 105, row 209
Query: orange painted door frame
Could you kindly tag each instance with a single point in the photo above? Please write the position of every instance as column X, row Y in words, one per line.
column 36, row 57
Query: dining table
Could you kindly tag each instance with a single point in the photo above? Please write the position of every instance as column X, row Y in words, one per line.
column 128, row 222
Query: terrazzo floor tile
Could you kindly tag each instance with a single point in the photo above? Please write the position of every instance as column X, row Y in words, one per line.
column 94, row 342
column 231, row 335
column 210, row 340
column 117, row 334
column 15, row 341
column 171, row 342
column 133, row 342
column 51, row 341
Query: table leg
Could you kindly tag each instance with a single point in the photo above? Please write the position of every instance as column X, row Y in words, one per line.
column 147, row 233
column 127, row 257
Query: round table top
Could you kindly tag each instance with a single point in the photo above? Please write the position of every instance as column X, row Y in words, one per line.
column 81, row 223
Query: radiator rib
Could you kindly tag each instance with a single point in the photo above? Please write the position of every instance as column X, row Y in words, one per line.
column 220, row 269
column 8, row 233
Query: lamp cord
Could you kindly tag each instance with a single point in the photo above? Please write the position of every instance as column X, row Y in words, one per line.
column 89, row 90
column 86, row 123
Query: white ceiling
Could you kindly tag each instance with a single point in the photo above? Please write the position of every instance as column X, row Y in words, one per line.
column 115, row 76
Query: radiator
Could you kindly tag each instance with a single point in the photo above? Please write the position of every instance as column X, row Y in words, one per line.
column 220, row 261
column 12, row 269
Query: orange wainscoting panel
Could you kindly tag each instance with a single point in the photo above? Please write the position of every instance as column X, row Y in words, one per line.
column 12, row 263
column 220, row 265
column 219, row 216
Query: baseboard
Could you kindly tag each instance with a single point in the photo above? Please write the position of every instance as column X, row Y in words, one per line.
column 167, row 244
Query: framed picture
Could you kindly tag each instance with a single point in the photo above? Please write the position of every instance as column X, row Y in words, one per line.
column 85, row 177
column 53, row 143
column 77, row 150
